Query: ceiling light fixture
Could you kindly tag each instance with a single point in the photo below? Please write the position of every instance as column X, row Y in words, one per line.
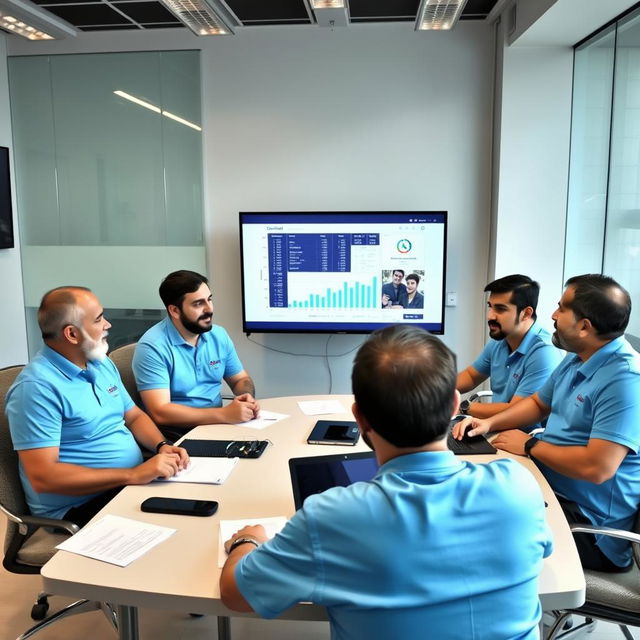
column 142, row 103
column 438, row 14
column 331, row 13
column 26, row 19
column 203, row 17
column 152, row 107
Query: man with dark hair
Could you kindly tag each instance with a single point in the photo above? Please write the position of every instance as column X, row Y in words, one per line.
column 179, row 363
column 519, row 357
column 384, row 556
column 413, row 299
column 394, row 290
column 589, row 449
column 72, row 421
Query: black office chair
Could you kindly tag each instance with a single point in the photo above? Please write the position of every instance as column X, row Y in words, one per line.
column 30, row 541
column 612, row 597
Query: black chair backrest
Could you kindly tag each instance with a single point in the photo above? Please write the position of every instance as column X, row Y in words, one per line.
column 11, row 492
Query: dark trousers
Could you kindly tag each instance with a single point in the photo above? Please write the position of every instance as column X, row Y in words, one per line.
column 590, row 555
column 82, row 514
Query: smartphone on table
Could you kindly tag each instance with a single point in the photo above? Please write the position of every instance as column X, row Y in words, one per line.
column 179, row 506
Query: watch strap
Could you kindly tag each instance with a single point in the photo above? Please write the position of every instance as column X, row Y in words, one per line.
column 529, row 444
column 161, row 444
column 242, row 540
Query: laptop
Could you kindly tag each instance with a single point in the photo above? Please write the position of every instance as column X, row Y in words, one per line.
column 316, row 474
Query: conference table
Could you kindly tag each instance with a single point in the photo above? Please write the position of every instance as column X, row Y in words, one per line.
column 181, row 574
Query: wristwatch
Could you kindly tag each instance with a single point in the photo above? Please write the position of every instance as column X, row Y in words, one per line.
column 464, row 407
column 242, row 540
column 529, row 444
column 161, row 444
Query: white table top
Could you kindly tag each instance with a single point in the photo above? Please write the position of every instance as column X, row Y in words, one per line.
column 182, row 573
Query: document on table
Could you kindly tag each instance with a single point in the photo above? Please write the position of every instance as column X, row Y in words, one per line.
column 204, row 471
column 320, row 407
column 116, row 540
column 229, row 527
column 265, row 419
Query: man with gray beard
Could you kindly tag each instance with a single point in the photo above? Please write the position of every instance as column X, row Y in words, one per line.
column 73, row 424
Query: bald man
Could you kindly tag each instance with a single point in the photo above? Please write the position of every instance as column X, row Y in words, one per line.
column 73, row 424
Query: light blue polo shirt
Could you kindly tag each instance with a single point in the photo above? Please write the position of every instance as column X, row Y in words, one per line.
column 432, row 546
column 54, row 403
column 521, row 372
column 599, row 398
column 165, row 360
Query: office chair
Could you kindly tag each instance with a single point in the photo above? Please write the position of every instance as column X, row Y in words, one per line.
column 612, row 597
column 122, row 358
column 31, row 540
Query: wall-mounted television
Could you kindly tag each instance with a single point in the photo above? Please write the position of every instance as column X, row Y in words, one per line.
column 320, row 272
column 6, row 212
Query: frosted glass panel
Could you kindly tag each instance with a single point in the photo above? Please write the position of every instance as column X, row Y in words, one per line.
column 112, row 170
column 622, row 240
column 109, row 185
column 589, row 163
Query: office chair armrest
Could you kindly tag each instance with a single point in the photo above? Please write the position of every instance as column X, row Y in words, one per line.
column 606, row 531
column 36, row 522
column 477, row 397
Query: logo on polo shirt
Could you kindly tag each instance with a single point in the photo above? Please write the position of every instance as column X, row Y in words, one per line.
column 580, row 398
column 213, row 363
column 112, row 389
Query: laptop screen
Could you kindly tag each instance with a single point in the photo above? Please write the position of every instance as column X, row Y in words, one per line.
column 318, row 473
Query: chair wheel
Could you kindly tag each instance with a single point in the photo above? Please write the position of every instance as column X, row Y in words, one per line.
column 39, row 610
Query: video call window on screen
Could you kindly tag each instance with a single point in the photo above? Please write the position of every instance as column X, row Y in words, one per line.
column 342, row 272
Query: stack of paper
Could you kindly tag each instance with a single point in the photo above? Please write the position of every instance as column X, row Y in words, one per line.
column 204, row 471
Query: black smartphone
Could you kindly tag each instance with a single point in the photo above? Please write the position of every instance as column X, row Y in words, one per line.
column 180, row 506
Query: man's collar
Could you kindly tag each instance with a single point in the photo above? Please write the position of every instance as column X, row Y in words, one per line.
column 64, row 365
column 428, row 461
column 528, row 338
column 599, row 358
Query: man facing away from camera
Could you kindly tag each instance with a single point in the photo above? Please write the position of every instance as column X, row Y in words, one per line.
column 431, row 542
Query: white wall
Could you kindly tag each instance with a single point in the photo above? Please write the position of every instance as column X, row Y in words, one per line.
column 534, row 130
column 13, row 337
column 372, row 117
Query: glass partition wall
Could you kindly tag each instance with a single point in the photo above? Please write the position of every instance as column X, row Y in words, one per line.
column 603, row 213
column 108, row 164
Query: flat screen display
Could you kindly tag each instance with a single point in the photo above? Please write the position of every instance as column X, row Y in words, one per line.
column 6, row 212
column 349, row 272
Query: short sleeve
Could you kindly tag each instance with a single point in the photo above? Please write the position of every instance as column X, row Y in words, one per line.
column 482, row 364
column 281, row 572
column 35, row 416
column 150, row 368
column 540, row 364
column 616, row 414
column 232, row 364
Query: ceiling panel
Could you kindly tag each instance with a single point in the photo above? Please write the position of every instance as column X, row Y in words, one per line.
column 96, row 15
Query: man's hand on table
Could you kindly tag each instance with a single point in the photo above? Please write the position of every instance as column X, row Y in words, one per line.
column 255, row 532
column 163, row 465
column 242, row 408
column 511, row 441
